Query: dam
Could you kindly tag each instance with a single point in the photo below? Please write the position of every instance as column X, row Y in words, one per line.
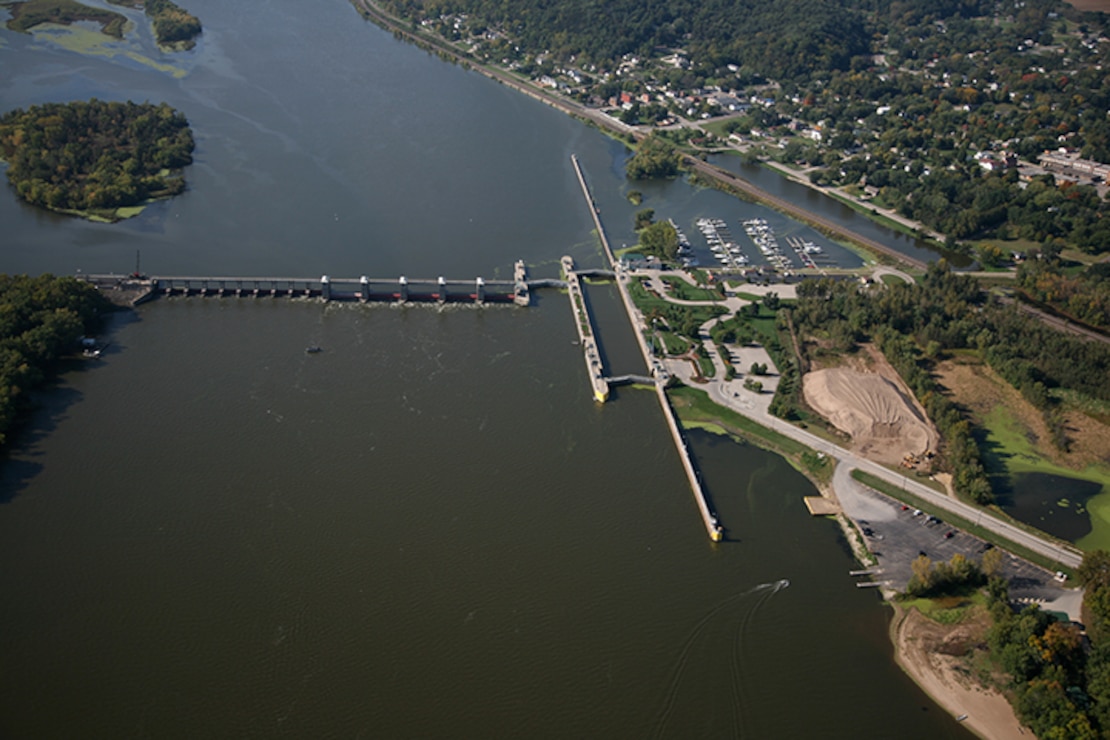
column 135, row 288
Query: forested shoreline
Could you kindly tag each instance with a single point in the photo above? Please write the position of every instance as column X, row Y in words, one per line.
column 95, row 157
column 41, row 320
column 924, row 108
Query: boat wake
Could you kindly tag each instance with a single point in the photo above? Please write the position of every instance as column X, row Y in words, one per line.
column 760, row 595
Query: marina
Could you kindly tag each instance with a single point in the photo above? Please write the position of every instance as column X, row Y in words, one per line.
column 685, row 249
column 433, row 505
column 811, row 254
column 724, row 248
column 763, row 236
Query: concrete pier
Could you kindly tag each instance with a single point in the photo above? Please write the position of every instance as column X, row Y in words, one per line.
column 586, row 335
column 712, row 527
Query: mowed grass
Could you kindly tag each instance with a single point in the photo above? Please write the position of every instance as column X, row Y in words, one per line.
column 683, row 291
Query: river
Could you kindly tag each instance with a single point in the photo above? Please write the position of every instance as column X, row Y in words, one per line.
column 429, row 529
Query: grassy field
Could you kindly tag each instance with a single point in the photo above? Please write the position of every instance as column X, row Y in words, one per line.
column 708, row 369
column 673, row 343
column 683, row 291
column 647, row 302
column 696, row 410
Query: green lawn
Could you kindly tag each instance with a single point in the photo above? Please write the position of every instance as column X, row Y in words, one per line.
column 695, row 408
column 708, row 369
column 673, row 343
column 683, row 291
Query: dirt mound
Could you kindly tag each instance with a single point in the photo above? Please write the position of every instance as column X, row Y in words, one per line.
column 882, row 418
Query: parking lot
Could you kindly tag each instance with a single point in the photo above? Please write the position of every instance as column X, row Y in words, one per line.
column 898, row 534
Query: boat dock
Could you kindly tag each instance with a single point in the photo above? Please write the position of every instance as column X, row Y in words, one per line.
column 724, row 248
column 712, row 527
column 809, row 253
column 763, row 236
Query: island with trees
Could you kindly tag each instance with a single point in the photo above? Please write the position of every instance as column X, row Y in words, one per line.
column 27, row 15
column 101, row 160
column 42, row 320
column 174, row 27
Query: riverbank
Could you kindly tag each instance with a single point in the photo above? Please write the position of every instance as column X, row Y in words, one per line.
column 928, row 652
column 717, row 176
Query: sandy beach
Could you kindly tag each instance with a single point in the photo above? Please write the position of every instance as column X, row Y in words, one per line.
column 920, row 646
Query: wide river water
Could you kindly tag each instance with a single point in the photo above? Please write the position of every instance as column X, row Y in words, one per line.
column 429, row 529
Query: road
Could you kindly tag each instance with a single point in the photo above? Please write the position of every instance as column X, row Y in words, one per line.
column 603, row 120
column 731, row 394
column 1056, row 322
column 727, row 397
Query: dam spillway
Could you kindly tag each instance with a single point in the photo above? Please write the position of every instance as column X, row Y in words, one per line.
column 139, row 289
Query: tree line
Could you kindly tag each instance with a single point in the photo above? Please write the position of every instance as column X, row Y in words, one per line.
column 95, row 155
column 41, row 320
column 655, row 157
column 1059, row 680
column 914, row 325
column 777, row 39
column 1081, row 293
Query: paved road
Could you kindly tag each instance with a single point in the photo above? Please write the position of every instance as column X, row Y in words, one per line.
column 847, row 460
column 730, row 398
column 756, row 406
